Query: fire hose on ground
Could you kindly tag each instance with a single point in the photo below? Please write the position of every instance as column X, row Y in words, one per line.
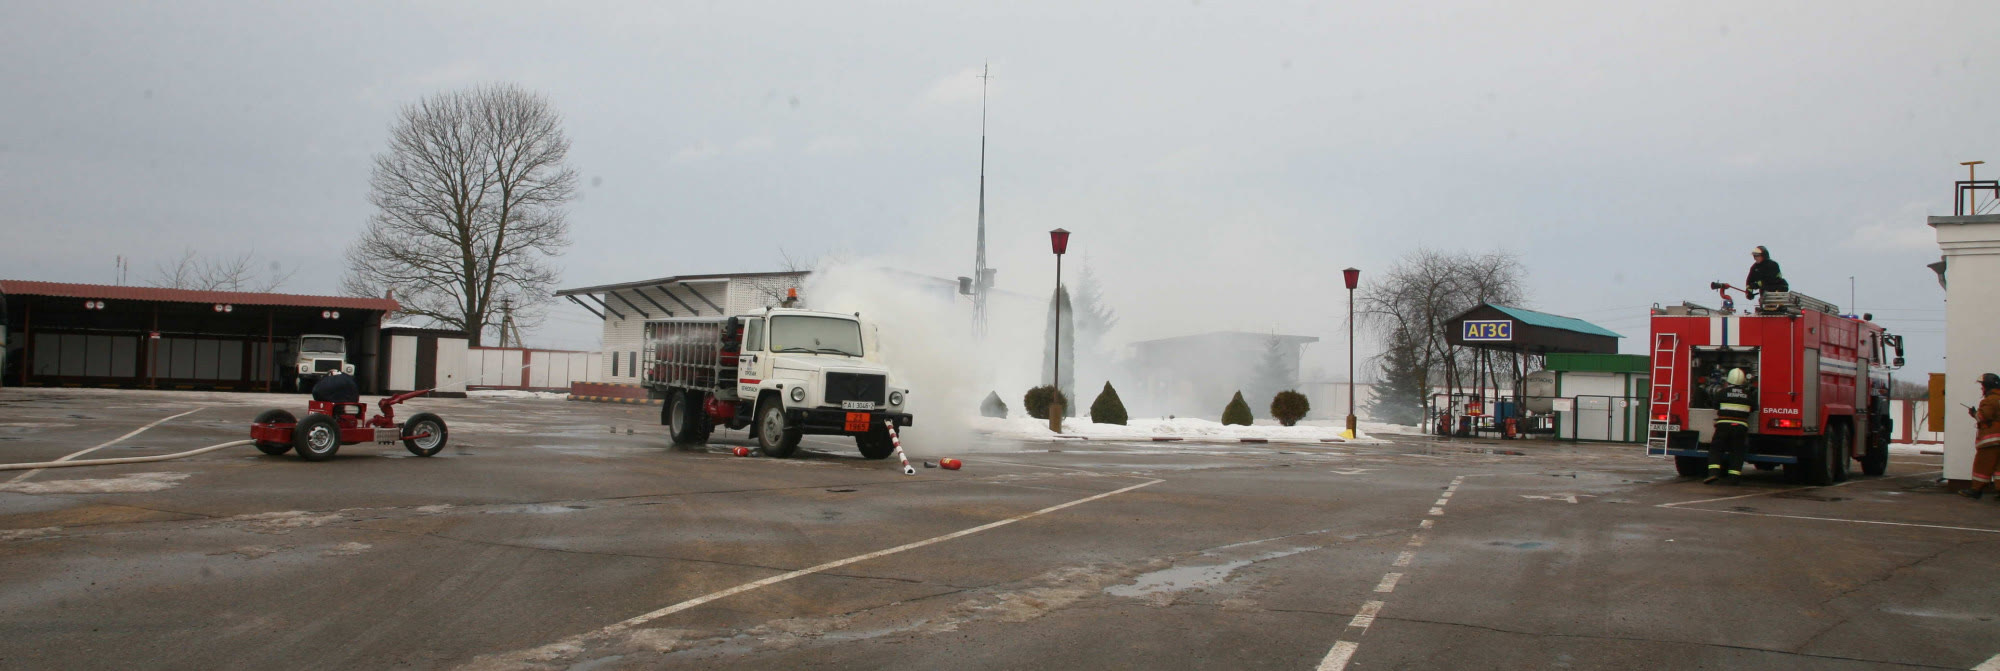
column 121, row 460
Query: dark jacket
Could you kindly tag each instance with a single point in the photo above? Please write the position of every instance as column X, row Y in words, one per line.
column 1764, row 276
column 337, row 388
column 1734, row 404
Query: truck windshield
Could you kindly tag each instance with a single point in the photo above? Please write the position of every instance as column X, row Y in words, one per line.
column 323, row 344
column 821, row 335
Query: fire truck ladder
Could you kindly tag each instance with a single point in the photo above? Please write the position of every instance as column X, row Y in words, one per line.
column 1666, row 347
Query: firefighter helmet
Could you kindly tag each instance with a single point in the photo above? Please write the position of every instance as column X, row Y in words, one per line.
column 1989, row 382
column 1736, row 376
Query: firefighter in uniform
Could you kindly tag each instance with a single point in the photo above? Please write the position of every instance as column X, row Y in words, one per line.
column 1732, row 430
column 1987, row 457
column 1764, row 275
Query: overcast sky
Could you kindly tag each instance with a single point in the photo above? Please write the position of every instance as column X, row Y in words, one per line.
column 1219, row 162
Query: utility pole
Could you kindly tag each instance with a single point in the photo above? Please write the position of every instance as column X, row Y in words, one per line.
column 510, row 335
column 982, row 278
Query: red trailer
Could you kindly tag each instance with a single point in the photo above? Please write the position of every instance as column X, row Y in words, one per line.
column 1821, row 379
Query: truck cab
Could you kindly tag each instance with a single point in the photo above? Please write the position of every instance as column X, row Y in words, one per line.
column 314, row 355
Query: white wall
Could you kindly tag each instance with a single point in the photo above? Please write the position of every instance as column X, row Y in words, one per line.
column 402, row 362
column 545, row 369
column 1971, row 247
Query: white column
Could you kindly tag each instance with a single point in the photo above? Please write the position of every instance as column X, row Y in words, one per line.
column 1971, row 247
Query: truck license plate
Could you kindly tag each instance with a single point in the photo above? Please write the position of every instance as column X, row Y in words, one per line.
column 857, row 405
column 857, row 422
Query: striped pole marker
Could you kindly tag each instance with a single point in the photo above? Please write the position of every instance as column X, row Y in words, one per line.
column 898, row 442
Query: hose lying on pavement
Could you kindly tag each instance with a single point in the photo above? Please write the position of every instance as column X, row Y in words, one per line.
column 120, row 460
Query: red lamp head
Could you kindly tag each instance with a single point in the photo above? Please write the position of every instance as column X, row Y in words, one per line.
column 1353, row 276
column 1059, row 241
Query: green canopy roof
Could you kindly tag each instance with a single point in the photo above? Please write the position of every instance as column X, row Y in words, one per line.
column 1532, row 317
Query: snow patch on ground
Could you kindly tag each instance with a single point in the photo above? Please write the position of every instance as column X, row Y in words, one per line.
column 285, row 522
column 136, row 482
column 1028, row 428
column 1915, row 450
column 347, row 550
column 518, row 393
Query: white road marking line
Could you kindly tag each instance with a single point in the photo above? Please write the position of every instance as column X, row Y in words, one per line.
column 1991, row 664
column 1837, row 519
column 1437, row 511
column 1336, row 659
column 1405, row 558
column 1388, row 583
column 1441, row 502
column 1417, row 539
column 1447, row 492
column 1783, row 491
column 1366, row 616
column 1426, row 524
column 739, row 589
column 107, row 443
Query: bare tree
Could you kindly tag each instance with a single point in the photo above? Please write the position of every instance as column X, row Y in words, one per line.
column 193, row 270
column 468, row 203
column 1409, row 306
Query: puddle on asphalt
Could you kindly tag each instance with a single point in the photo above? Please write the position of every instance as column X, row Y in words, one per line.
column 1185, row 577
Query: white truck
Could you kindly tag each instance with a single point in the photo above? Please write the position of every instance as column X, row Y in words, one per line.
column 314, row 355
column 783, row 372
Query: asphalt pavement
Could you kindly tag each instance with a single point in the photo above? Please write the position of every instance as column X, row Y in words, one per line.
column 564, row 535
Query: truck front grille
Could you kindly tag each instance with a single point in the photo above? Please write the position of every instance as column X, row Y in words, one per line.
column 325, row 365
column 855, row 387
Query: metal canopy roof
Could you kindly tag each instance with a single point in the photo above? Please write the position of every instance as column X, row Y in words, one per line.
column 678, row 279
column 163, row 295
column 1532, row 317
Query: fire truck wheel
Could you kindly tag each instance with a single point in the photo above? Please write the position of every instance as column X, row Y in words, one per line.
column 685, row 423
column 1813, row 468
column 1876, row 460
column 1764, row 465
column 274, row 416
column 1691, row 467
column 425, row 423
column 875, row 444
column 1840, row 451
column 777, row 440
column 317, row 437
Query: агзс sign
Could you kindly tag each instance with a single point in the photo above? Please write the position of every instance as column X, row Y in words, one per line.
column 1489, row 330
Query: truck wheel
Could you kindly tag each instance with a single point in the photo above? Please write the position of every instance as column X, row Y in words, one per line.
column 1875, row 461
column 875, row 444
column 317, row 437
column 424, row 422
column 1840, row 452
column 1812, row 468
column 685, row 423
column 1691, row 467
column 274, row 416
column 777, row 439
column 1764, row 465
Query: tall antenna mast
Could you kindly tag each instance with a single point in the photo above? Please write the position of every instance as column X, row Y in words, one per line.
column 982, row 279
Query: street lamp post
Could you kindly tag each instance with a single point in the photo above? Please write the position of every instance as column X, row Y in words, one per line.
column 1353, row 277
column 1059, row 243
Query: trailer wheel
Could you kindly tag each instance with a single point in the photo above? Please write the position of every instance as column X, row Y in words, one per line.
column 1840, row 451
column 425, row 422
column 777, row 439
column 1875, row 461
column 317, row 437
column 274, row 416
column 1691, row 467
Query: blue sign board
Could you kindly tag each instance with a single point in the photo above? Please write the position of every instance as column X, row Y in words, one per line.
column 1489, row 330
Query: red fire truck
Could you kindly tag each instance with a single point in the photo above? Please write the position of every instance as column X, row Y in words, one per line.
column 1821, row 379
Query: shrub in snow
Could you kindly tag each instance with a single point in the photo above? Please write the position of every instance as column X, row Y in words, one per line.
column 1288, row 407
column 993, row 406
column 1107, row 409
column 1037, row 401
column 1238, row 412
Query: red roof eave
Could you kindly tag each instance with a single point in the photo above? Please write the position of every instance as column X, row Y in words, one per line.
column 162, row 295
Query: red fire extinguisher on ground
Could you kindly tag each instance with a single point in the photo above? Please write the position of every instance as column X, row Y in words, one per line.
column 1510, row 431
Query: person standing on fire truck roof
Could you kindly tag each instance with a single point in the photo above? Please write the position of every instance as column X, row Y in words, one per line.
column 1764, row 275
column 1988, row 442
column 1732, row 430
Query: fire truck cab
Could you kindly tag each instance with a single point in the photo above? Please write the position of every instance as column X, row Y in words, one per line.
column 1821, row 379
